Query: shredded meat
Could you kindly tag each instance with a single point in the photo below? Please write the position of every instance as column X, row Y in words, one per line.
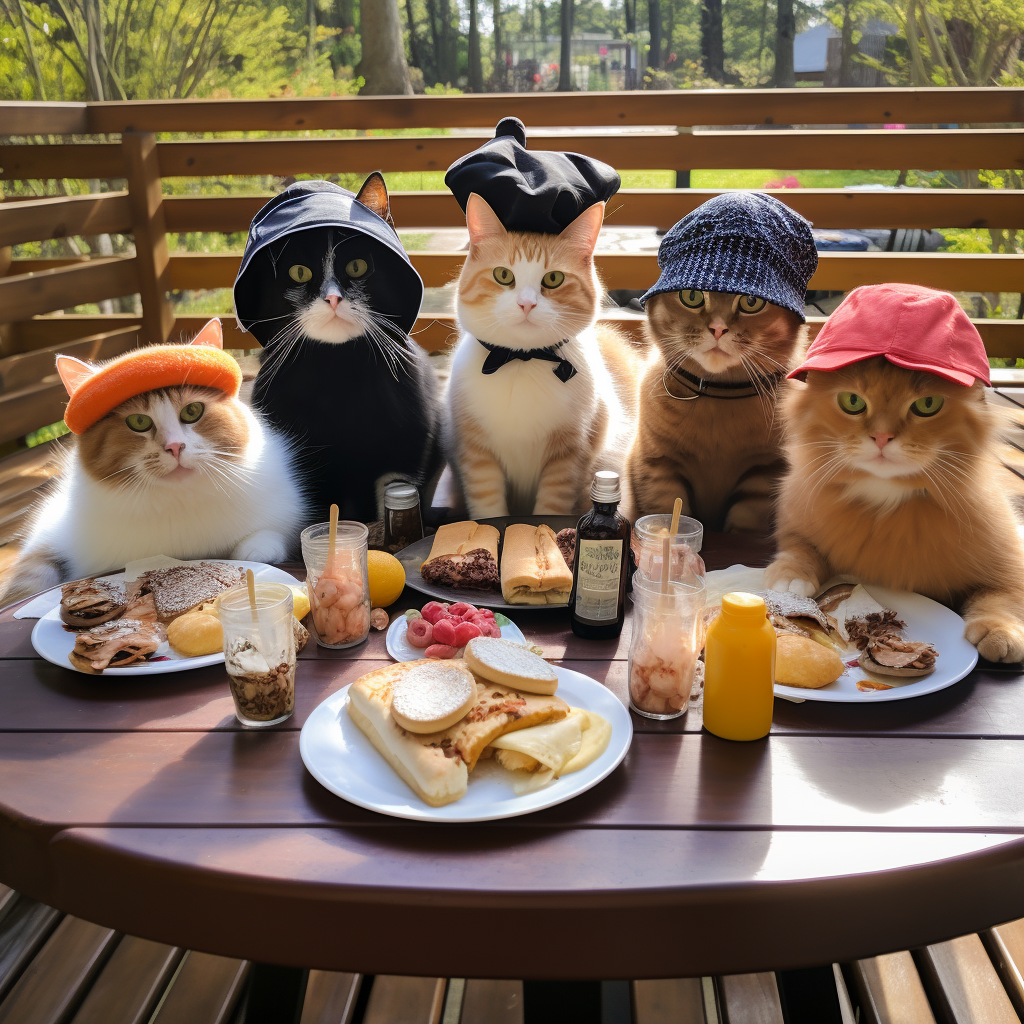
column 876, row 626
column 566, row 541
column 474, row 570
column 895, row 652
column 118, row 643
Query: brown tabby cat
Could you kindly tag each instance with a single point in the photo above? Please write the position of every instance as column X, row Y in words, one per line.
column 720, row 451
column 893, row 478
column 528, row 436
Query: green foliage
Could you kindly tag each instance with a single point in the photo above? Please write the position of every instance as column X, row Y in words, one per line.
column 44, row 434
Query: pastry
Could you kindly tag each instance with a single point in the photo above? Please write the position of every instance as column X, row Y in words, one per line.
column 180, row 588
column 92, row 601
column 566, row 541
column 533, row 570
column 433, row 696
column 463, row 555
column 510, row 664
column 800, row 661
column 115, row 644
column 195, row 634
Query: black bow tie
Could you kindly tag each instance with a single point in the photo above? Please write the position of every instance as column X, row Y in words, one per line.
column 497, row 357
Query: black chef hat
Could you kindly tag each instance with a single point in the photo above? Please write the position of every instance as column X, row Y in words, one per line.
column 530, row 190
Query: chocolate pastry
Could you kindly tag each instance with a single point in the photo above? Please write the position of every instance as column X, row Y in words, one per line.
column 179, row 588
column 90, row 602
column 566, row 541
column 115, row 644
column 474, row 570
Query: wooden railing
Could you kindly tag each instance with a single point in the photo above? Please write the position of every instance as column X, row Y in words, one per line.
column 629, row 130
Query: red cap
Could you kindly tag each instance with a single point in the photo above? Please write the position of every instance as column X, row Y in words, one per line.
column 913, row 327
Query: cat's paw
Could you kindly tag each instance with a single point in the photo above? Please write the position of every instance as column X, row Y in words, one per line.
column 784, row 577
column 997, row 637
column 263, row 546
column 803, row 588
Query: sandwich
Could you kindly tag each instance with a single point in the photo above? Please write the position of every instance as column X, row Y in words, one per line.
column 422, row 760
column 90, row 602
column 533, row 570
column 115, row 644
column 463, row 555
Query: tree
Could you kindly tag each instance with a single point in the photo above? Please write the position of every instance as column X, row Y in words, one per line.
column 654, row 22
column 565, row 60
column 785, row 33
column 414, row 41
column 712, row 50
column 383, row 66
column 476, row 69
column 499, row 50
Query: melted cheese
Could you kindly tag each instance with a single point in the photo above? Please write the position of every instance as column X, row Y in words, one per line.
column 597, row 732
column 553, row 744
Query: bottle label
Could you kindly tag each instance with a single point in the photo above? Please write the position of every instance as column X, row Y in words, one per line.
column 597, row 579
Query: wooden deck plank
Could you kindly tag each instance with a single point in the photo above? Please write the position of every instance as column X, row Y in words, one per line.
column 205, row 990
column 61, row 216
column 330, row 997
column 401, row 1000
column 889, row 990
column 962, row 985
column 54, row 983
column 1005, row 945
column 25, row 295
column 492, row 1002
column 131, row 983
column 23, row 930
column 668, row 1001
column 749, row 999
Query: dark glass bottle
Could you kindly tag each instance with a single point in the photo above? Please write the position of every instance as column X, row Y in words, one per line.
column 597, row 604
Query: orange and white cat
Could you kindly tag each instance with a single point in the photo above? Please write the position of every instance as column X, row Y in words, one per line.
column 184, row 471
column 894, row 478
column 528, row 436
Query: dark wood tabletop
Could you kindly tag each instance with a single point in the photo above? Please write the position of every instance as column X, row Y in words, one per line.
column 141, row 804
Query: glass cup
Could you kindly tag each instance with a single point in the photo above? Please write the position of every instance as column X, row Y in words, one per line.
column 663, row 652
column 648, row 542
column 339, row 595
column 259, row 654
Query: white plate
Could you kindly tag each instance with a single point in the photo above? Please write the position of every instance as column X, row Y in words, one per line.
column 342, row 759
column 401, row 650
column 54, row 643
column 926, row 620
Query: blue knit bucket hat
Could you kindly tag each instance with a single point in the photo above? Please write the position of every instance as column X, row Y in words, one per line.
column 741, row 242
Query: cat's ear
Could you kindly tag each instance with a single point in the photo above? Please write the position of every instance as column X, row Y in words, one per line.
column 374, row 196
column 482, row 221
column 73, row 372
column 583, row 231
column 212, row 335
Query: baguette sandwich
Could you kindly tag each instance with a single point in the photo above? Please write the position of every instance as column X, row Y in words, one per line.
column 533, row 570
column 463, row 555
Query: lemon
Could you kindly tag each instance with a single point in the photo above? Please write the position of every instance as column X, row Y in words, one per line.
column 300, row 601
column 387, row 578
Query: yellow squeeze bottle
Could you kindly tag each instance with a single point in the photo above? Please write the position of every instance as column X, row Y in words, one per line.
column 739, row 670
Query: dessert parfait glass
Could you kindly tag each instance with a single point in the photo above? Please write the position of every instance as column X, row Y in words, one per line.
column 668, row 633
column 648, row 541
column 339, row 593
column 259, row 653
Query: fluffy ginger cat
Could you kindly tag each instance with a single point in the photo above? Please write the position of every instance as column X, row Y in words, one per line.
column 720, row 450
column 187, row 471
column 894, row 479
column 526, row 437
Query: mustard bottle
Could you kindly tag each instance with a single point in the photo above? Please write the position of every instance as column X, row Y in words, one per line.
column 739, row 670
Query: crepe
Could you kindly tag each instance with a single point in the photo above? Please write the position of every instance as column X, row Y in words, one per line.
column 463, row 555
column 431, row 770
column 533, row 570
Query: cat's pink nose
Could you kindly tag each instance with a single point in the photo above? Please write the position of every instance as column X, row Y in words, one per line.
column 175, row 448
column 882, row 439
column 527, row 300
column 718, row 332
column 334, row 300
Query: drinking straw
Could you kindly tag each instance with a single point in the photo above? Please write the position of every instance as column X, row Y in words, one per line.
column 666, row 554
column 332, row 541
column 250, row 582
column 677, row 509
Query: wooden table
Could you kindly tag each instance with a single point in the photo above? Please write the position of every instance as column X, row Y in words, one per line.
column 142, row 805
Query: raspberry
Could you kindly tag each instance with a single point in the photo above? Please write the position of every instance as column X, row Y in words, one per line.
column 466, row 631
column 444, row 632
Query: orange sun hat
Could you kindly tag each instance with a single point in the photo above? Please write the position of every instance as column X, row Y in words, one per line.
column 96, row 390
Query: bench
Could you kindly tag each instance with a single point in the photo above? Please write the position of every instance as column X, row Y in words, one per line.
column 59, row 969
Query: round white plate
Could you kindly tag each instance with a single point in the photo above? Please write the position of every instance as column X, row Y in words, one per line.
column 401, row 650
column 54, row 643
column 926, row 620
column 342, row 759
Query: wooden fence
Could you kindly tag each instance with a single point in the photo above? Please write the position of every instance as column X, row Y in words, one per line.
column 657, row 130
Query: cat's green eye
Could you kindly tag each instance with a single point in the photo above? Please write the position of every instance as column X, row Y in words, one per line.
column 300, row 273
column 356, row 269
column 851, row 403
column 751, row 304
column 138, row 422
column 552, row 279
column 928, row 406
column 191, row 412
column 691, row 298
column 504, row 276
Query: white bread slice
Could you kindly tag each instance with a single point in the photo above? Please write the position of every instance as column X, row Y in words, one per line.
column 508, row 664
column 458, row 538
column 433, row 696
column 419, row 760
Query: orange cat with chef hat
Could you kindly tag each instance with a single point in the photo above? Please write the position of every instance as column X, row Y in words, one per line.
column 165, row 460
